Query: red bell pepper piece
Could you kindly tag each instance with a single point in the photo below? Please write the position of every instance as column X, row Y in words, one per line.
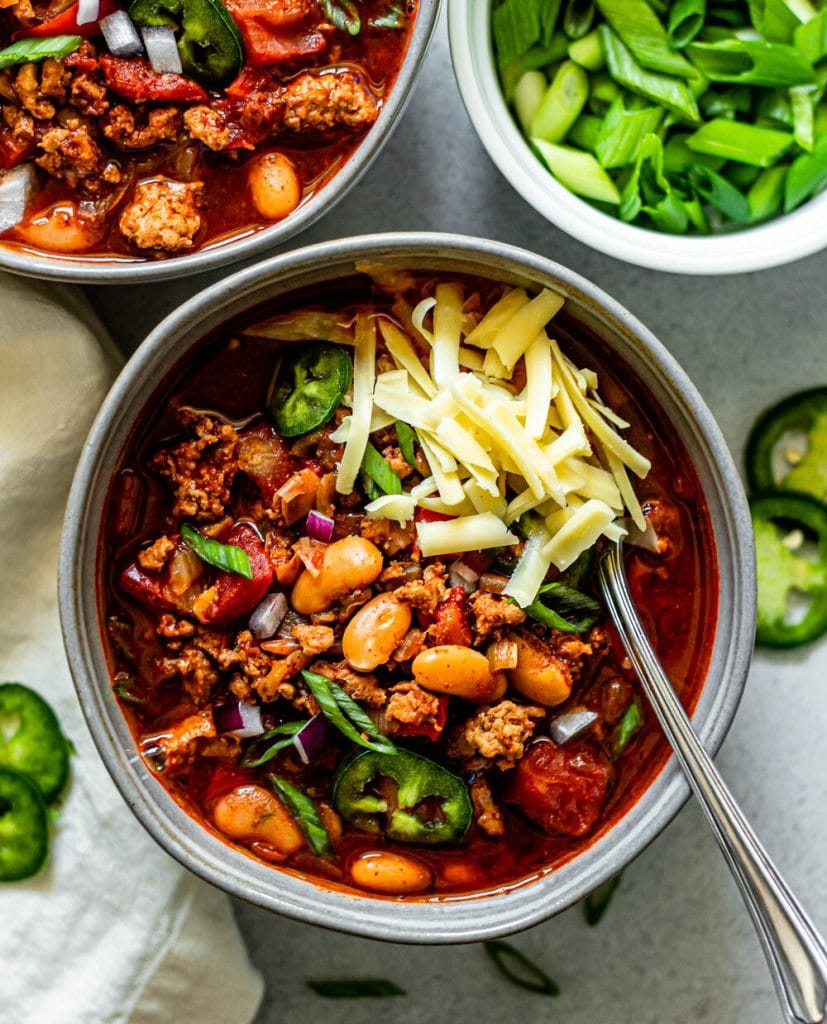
column 134, row 79
column 232, row 595
column 275, row 33
column 11, row 152
column 266, row 459
column 451, row 624
column 66, row 24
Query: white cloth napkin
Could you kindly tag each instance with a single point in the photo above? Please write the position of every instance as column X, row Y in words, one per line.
column 113, row 931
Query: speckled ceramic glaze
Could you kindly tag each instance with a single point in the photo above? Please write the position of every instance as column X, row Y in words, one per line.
column 120, row 270
column 423, row 920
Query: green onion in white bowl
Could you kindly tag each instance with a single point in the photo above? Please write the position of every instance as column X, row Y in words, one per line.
column 696, row 208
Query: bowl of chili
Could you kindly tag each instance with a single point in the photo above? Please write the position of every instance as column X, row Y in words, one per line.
column 378, row 819
column 158, row 138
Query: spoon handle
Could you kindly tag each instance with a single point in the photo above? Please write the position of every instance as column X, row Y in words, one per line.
column 795, row 951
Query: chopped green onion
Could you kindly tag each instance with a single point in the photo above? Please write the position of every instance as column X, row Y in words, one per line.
column 577, row 18
column 628, row 725
column 29, row 51
column 579, row 172
column 587, row 51
column 622, row 133
column 585, row 132
column 562, row 103
column 650, row 192
column 744, row 143
column 393, row 18
column 356, row 988
column 542, row 55
column 766, row 195
column 678, row 157
column 673, row 93
column 803, row 102
column 516, row 27
column 519, row 970
column 811, row 37
column 549, row 11
column 342, row 14
column 377, row 468
column 686, row 18
column 774, row 105
column 528, row 95
column 343, row 712
column 807, row 174
column 727, row 102
column 223, row 556
column 604, row 91
column 406, row 437
column 639, row 28
column 773, row 19
column 564, row 608
column 306, row 814
column 751, row 62
column 287, row 729
column 598, row 900
column 720, row 193
column 123, row 690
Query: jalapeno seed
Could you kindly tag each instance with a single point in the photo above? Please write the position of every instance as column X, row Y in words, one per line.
column 390, row 873
column 460, row 672
column 375, row 631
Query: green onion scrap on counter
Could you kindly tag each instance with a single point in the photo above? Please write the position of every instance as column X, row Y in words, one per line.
column 685, row 117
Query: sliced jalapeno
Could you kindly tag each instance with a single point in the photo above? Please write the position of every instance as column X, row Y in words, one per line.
column 403, row 796
column 787, row 447
column 30, row 739
column 210, row 44
column 24, row 830
column 783, row 524
column 310, row 384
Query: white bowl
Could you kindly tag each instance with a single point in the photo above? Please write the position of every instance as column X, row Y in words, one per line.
column 782, row 240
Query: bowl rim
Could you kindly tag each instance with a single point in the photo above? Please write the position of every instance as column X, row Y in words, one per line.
column 114, row 271
column 781, row 240
column 467, row 918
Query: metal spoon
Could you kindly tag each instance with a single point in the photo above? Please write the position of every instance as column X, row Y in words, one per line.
column 795, row 952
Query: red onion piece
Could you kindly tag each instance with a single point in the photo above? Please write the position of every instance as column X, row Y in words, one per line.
column 121, row 35
column 319, row 527
column 238, row 719
column 267, row 617
column 570, row 724
column 460, row 574
column 162, row 49
column 87, row 11
column 311, row 740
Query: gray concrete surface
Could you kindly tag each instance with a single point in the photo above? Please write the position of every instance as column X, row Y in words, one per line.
column 676, row 946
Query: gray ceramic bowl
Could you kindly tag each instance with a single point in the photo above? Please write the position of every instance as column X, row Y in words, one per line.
column 119, row 270
column 446, row 920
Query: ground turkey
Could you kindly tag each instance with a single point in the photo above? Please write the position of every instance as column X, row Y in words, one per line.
column 497, row 732
column 163, row 214
column 315, row 103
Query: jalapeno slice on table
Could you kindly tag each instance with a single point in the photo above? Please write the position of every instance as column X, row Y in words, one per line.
column 785, row 526
column 30, row 739
column 787, row 447
column 404, row 796
column 310, row 385
column 210, row 44
column 24, row 830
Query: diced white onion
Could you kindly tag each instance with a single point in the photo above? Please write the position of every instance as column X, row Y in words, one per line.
column 121, row 35
column 462, row 575
column 267, row 617
column 16, row 188
column 162, row 49
column 87, row 11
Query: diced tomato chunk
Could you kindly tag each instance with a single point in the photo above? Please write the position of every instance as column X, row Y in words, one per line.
column 12, row 152
column 276, row 33
column 232, row 595
column 224, row 780
column 430, row 730
column 249, row 80
column 66, row 24
column 134, row 79
column 266, row 459
column 451, row 624
column 563, row 789
column 160, row 590
column 149, row 588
